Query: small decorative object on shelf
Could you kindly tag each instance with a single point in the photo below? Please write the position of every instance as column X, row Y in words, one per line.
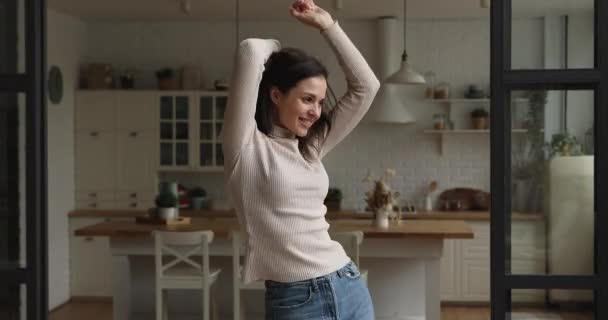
column 333, row 199
column 198, row 198
column 474, row 93
column 428, row 200
column 381, row 200
column 127, row 79
column 564, row 145
column 439, row 121
column 479, row 118
column 442, row 91
column 166, row 203
column 166, row 79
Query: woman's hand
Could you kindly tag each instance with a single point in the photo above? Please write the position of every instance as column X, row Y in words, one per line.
column 307, row 12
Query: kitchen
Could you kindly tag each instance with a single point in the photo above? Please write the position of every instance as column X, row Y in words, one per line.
column 117, row 173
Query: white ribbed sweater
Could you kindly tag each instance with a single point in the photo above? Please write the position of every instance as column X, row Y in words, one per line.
column 277, row 194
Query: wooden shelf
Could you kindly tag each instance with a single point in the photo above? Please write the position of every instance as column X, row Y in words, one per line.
column 469, row 101
column 441, row 134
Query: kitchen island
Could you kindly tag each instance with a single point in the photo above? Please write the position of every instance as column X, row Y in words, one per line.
column 403, row 262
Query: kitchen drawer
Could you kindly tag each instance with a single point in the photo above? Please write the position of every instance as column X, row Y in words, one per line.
column 95, row 204
column 95, row 194
column 135, row 204
column 135, row 194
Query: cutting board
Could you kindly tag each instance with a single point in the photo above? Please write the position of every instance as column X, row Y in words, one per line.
column 457, row 199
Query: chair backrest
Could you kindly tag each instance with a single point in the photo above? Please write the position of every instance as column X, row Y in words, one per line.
column 238, row 244
column 350, row 241
column 181, row 247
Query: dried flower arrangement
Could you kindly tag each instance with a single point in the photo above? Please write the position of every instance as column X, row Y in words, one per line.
column 381, row 197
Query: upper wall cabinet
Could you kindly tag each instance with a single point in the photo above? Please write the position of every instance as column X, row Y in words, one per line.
column 95, row 110
column 190, row 124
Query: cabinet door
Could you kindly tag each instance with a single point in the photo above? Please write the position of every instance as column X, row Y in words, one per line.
column 475, row 280
column 450, row 273
column 175, row 130
column 210, row 120
column 95, row 110
column 90, row 264
column 137, row 110
column 95, row 160
column 136, row 160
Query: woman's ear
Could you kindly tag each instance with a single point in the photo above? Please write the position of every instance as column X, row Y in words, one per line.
column 275, row 95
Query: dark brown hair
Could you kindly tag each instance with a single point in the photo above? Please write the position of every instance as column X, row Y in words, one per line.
column 284, row 69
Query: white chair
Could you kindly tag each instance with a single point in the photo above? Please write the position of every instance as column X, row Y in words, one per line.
column 182, row 262
column 351, row 241
column 237, row 281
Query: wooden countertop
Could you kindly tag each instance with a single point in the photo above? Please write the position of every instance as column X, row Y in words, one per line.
column 421, row 229
column 344, row 214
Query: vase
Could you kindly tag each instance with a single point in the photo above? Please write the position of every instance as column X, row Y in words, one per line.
column 381, row 219
column 480, row 123
column 167, row 213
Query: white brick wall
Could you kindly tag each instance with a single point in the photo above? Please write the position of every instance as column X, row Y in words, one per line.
column 456, row 50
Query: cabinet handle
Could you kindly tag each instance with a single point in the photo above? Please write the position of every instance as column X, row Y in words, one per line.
column 94, row 134
column 133, row 134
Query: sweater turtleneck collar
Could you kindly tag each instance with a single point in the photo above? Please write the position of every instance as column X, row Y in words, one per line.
column 280, row 132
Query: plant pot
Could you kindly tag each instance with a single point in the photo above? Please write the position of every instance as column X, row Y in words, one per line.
column 333, row 205
column 198, row 203
column 381, row 219
column 169, row 83
column 166, row 213
column 480, row 123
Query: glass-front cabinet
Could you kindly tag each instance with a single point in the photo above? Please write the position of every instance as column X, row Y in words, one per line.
column 190, row 126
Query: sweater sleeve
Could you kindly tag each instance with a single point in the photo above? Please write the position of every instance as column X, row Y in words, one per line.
column 239, row 119
column 362, row 86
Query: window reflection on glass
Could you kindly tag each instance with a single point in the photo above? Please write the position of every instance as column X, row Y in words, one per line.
column 181, row 108
column 218, row 129
column 166, row 154
column 549, row 34
column 220, row 107
column 206, row 105
column 568, row 305
column 166, row 108
column 181, row 130
column 206, row 154
column 166, row 130
column 552, row 167
column 219, row 159
column 181, row 153
column 206, row 131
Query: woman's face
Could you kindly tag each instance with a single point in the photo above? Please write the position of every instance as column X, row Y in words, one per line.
column 300, row 107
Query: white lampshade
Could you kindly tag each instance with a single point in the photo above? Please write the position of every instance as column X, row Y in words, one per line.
column 388, row 107
column 405, row 75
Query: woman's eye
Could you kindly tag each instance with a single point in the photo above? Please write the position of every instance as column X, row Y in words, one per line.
column 309, row 99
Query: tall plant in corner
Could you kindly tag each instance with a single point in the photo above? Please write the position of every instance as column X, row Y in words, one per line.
column 529, row 153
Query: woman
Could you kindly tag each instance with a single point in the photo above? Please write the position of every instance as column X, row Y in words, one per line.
column 277, row 128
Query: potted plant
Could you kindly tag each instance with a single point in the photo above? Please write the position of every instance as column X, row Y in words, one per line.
column 198, row 197
column 333, row 199
column 381, row 199
column 564, row 144
column 479, row 116
column 166, row 206
column 166, row 79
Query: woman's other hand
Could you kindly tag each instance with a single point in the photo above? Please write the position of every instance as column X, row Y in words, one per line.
column 307, row 12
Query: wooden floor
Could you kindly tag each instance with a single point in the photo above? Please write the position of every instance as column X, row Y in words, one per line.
column 103, row 311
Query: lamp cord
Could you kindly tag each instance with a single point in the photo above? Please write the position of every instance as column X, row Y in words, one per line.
column 404, row 55
column 237, row 23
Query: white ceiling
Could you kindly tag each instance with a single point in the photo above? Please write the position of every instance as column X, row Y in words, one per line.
column 277, row 9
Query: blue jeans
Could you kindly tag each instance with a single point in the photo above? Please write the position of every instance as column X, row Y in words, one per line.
column 340, row 295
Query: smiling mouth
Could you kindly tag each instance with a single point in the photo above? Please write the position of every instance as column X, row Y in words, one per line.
column 305, row 122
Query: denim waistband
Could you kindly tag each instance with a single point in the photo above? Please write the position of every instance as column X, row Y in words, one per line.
column 311, row 282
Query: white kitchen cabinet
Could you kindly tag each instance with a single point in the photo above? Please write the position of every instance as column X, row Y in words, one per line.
column 466, row 263
column 90, row 260
column 119, row 156
column 95, row 110
column 95, row 160
column 137, row 111
column 136, row 161
column 189, row 127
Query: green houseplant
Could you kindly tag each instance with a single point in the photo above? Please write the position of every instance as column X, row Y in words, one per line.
column 198, row 198
column 166, row 206
column 333, row 200
column 166, row 79
column 479, row 117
